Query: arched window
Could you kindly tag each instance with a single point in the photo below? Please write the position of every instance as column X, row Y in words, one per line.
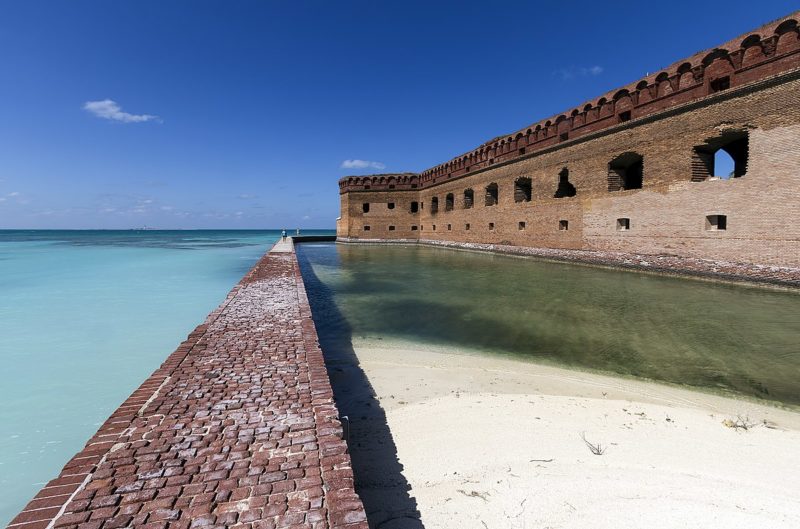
column 722, row 157
column 469, row 198
column 491, row 194
column 626, row 171
column 448, row 202
column 522, row 189
column 434, row 205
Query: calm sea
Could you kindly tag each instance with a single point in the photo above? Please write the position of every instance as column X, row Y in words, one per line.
column 85, row 317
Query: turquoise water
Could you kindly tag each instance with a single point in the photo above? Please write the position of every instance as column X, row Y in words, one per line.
column 727, row 338
column 85, row 317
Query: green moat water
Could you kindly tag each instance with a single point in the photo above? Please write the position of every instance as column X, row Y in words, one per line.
column 717, row 336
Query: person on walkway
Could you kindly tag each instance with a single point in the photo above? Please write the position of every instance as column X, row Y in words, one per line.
column 283, row 235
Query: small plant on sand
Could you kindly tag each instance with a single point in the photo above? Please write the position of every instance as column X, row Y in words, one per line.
column 740, row 423
column 596, row 448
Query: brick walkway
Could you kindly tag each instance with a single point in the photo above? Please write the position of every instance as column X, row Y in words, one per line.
column 236, row 429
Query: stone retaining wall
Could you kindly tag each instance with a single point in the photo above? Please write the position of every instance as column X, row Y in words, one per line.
column 237, row 428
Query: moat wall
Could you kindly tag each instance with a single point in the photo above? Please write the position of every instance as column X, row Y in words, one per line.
column 742, row 98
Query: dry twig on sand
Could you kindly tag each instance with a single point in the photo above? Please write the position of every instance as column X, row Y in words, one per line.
column 596, row 448
column 741, row 423
column 474, row 494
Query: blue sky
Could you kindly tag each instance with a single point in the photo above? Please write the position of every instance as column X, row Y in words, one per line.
column 244, row 114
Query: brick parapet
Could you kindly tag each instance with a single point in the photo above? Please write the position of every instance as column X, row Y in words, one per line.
column 237, row 428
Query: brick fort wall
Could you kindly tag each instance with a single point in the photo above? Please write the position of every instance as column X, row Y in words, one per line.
column 632, row 171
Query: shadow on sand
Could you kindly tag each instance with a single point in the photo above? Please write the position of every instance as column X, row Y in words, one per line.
column 379, row 476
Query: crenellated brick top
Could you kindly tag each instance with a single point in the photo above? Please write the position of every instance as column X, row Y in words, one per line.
column 380, row 181
column 764, row 52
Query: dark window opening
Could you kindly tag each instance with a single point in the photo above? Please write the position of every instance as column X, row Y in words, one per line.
column 414, row 207
column 491, row 161
column 365, row 207
column 469, row 198
column 413, row 186
column 449, row 227
column 563, row 225
column 723, row 157
column 522, row 189
column 565, row 188
column 391, row 228
column 390, row 205
column 391, row 186
column 564, row 136
column 449, row 200
column 716, row 222
column 623, row 224
column 413, row 228
column 522, row 151
column 624, row 116
column 521, row 226
column 466, row 226
column 491, row 195
column 366, row 187
column 491, row 226
column 434, row 227
column 466, row 170
column 434, row 205
column 626, row 171
column 366, row 228
column 718, row 85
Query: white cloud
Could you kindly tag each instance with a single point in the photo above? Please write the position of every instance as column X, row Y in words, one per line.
column 572, row 72
column 16, row 195
column 362, row 164
column 108, row 109
column 246, row 196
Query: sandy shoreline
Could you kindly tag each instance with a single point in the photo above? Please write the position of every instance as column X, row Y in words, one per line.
column 489, row 442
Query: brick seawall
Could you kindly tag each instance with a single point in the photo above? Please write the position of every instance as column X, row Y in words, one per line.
column 237, row 428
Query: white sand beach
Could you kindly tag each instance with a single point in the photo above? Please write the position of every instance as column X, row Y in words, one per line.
column 492, row 443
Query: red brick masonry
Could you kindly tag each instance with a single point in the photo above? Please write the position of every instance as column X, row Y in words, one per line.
column 237, row 428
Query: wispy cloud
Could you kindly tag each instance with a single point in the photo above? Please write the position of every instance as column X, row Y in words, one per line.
column 573, row 72
column 362, row 164
column 14, row 196
column 246, row 196
column 109, row 109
